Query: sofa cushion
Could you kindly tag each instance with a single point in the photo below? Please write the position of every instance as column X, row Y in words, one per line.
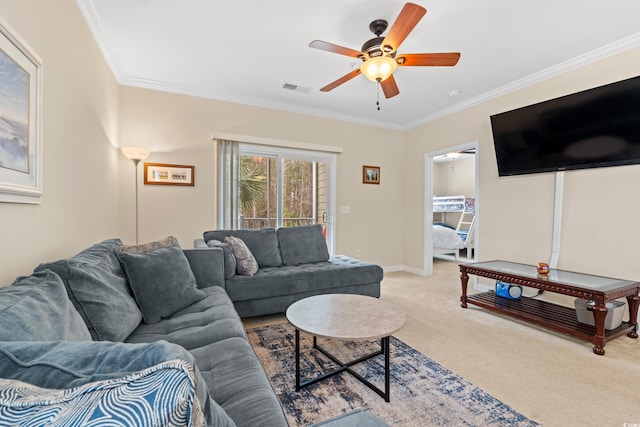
column 98, row 289
column 245, row 262
column 338, row 272
column 263, row 243
column 62, row 365
column 229, row 258
column 238, row 383
column 300, row 245
column 162, row 281
column 211, row 320
column 161, row 395
column 150, row 246
column 36, row 308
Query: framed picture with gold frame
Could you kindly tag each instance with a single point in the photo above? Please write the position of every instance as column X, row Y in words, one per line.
column 166, row 174
column 371, row 174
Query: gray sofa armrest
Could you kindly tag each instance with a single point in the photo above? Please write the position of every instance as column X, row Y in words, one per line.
column 199, row 244
column 207, row 266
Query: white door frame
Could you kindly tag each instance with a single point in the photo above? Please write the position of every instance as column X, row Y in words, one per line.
column 428, row 205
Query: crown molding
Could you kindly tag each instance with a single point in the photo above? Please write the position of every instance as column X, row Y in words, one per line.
column 548, row 73
column 95, row 26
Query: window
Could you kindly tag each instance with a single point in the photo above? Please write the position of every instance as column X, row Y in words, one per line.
column 278, row 187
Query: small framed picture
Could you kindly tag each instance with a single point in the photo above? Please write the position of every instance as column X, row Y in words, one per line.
column 164, row 174
column 371, row 174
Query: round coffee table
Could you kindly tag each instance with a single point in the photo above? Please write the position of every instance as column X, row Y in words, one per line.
column 345, row 317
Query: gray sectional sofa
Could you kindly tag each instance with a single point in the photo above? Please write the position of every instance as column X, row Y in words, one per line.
column 293, row 263
column 136, row 334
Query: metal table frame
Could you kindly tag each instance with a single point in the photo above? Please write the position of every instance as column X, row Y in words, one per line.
column 346, row 366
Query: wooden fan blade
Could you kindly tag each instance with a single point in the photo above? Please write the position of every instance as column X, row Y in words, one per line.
column 409, row 17
column 447, row 59
column 341, row 80
column 389, row 87
column 330, row 47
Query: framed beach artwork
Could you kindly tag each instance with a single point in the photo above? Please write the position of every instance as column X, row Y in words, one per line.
column 20, row 121
column 164, row 174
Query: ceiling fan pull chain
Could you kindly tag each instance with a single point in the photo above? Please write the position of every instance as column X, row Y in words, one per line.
column 378, row 97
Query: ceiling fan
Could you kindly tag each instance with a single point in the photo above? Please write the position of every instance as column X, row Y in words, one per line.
column 379, row 55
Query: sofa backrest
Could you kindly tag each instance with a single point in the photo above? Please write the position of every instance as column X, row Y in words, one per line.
column 36, row 308
column 263, row 243
column 302, row 245
column 271, row 248
column 207, row 266
column 98, row 289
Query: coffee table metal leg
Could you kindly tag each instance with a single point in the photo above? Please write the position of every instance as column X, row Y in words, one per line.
column 346, row 366
column 297, row 360
column 385, row 345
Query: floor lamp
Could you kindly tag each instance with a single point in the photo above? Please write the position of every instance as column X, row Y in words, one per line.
column 136, row 154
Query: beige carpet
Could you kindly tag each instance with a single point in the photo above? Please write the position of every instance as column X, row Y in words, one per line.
column 551, row 378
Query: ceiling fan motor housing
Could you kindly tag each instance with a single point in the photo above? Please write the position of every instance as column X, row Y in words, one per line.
column 373, row 47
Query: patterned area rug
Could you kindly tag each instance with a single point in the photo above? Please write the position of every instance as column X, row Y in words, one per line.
column 423, row 393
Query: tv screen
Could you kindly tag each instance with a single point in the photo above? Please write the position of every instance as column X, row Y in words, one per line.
column 594, row 128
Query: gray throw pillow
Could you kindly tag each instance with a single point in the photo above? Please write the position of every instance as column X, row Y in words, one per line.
column 98, row 289
column 246, row 264
column 36, row 308
column 151, row 246
column 229, row 258
column 301, row 245
column 162, row 282
column 263, row 243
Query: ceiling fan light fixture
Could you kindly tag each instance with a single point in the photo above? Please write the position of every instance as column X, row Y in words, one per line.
column 379, row 68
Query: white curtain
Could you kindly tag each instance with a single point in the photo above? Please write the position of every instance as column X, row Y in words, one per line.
column 228, row 188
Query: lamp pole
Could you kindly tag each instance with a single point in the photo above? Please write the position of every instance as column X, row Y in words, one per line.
column 135, row 154
column 135, row 163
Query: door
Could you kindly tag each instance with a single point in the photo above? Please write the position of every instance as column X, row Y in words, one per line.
column 284, row 188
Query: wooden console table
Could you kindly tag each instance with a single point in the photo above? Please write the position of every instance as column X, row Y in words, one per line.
column 554, row 316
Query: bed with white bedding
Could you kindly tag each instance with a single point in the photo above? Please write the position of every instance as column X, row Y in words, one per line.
column 446, row 241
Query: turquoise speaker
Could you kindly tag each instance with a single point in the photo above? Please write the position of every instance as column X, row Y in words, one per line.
column 507, row 290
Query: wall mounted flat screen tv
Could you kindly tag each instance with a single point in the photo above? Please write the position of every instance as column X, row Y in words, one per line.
column 594, row 128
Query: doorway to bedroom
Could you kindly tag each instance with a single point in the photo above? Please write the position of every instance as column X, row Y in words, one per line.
column 451, row 207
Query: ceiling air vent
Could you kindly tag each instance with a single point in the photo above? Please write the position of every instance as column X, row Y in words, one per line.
column 296, row 88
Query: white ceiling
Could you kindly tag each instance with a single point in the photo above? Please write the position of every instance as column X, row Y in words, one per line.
column 245, row 51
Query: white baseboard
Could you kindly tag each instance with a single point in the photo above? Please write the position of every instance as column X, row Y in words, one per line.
column 396, row 268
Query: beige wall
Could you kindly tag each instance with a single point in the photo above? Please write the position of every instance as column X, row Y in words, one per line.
column 80, row 120
column 178, row 129
column 516, row 213
column 89, row 191
column 455, row 178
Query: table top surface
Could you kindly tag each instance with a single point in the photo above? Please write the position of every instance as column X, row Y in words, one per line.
column 578, row 280
column 345, row 316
